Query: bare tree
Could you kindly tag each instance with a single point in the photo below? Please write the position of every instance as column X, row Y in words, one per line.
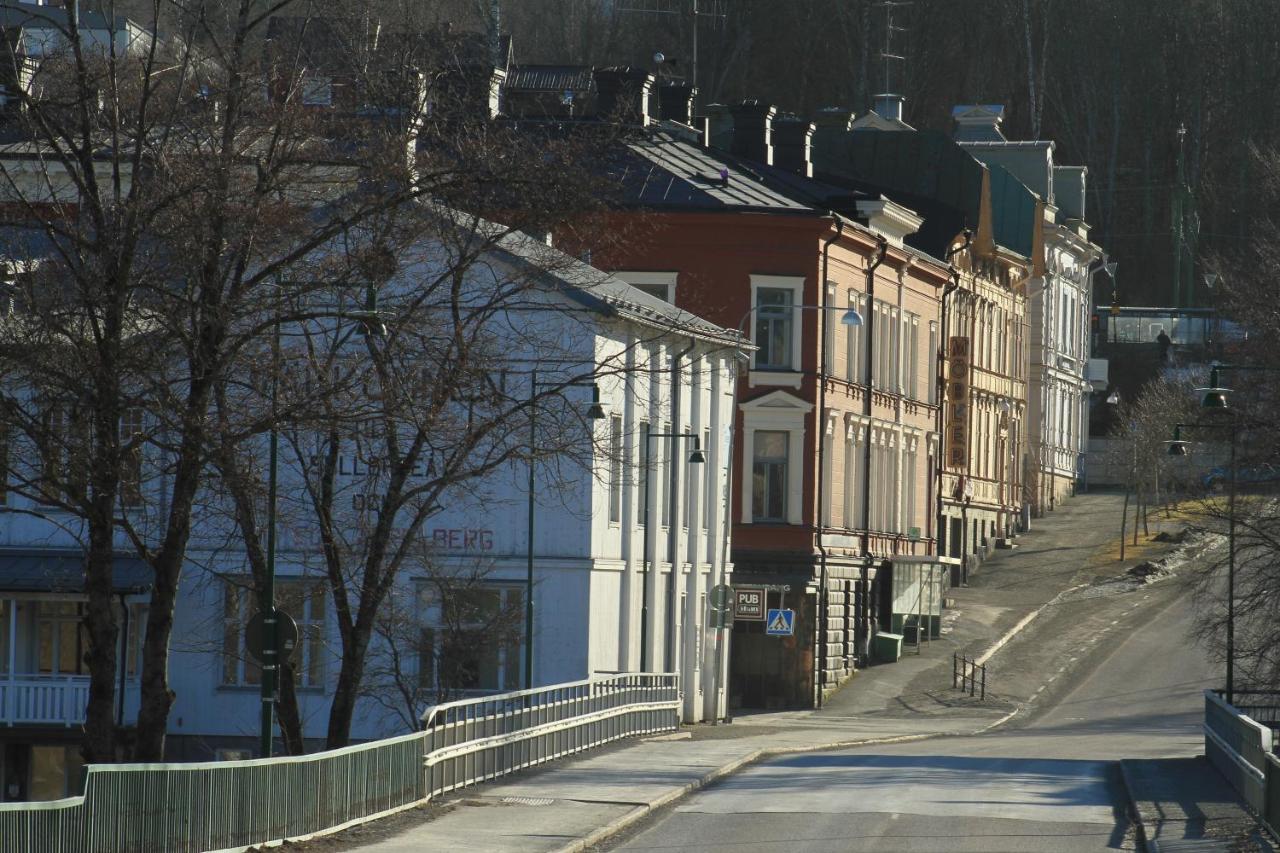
column 163, row 190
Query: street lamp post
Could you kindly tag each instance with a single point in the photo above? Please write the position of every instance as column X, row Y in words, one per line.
column 1178, row 447
column 595, row 412
column 371, row 325
column 270, row 630
column 1215, row 401
column 696, row 457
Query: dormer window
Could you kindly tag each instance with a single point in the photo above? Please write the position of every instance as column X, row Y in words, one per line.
column 317, row 91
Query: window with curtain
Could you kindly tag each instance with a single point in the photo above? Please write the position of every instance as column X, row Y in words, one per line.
column 769, row 475
column 774, row 328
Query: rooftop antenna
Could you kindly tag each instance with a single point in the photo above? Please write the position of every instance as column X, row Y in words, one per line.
column 887, row 54
column 690, row 11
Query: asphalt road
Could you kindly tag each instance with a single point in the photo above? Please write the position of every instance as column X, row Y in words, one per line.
column 1049, row 784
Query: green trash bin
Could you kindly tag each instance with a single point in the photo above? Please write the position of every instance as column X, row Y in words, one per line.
column 888, row 647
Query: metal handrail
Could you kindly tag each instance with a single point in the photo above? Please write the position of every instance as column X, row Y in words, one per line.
column 236, row 804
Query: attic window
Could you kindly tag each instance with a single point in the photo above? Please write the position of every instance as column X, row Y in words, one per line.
column 317, row 91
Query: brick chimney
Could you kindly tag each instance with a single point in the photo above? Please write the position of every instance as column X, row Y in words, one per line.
column 675, row 102
column 832, row 124
column 793, row 145
column 622, row 93
column 753, row 131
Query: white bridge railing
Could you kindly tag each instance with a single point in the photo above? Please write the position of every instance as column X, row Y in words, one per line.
column 477, row 739
column 224, row 805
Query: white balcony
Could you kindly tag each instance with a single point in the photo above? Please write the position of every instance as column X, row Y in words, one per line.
column 47, row 700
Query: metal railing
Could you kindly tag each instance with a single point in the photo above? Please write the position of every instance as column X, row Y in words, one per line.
column 235, row 804
column 966, row 673
column 473, row 740
column 1261, row 706
column 1241, row 749
column 57, row 700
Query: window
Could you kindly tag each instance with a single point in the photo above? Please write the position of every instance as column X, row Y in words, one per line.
column 829, row 324
column 301, row 599
column 661, row 291
column 933, row 362
column 643, row 514
column 853, row 451
column 317, row 91
column 909, row 487
column 659, row 284
column 131, row 458
column 471, row 639
column 855, row 369
column 137, row 633
column 769, row 475
column 774, row 331
column 60, row 637
column 913, row 357
column 61, row 461
column 55, row 771
column 615, row 469
column 690, row 478
column 708, row 481
column 664, row 483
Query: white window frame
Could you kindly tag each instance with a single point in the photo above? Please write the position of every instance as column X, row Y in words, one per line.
column 789, row 376
column 509, row 672
column 777, row 410
column 316, row 91
column 649, row 281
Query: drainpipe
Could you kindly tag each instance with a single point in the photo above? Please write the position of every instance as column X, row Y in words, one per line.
column 821, row 432
column 869, row 322
column 951, row 287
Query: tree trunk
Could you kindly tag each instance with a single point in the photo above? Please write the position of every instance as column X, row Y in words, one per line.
column 287, row 715
column 156, row 697
column 99, row 746
column 1124, row 518
column 347, row 688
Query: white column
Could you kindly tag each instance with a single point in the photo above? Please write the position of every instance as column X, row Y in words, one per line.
column 628, row 630
column 716, row 700
column 694, row 615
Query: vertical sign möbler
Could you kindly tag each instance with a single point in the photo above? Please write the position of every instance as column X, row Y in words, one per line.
column 957, row 448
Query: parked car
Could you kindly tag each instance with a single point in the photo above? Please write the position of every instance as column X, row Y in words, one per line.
column 1218, row 477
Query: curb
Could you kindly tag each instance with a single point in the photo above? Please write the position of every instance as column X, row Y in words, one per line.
column 640, row 812
column 1135, row 816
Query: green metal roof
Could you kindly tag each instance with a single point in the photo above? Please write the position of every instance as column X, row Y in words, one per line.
column 1013, row 211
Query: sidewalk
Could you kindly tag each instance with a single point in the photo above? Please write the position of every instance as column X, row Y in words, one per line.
column 570, row 805
column 1184, row 804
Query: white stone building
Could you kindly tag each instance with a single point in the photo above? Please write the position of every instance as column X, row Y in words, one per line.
column 603, row 578
column 1060, row 300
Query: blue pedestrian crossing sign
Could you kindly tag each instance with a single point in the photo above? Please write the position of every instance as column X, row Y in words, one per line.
column 780, row 623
